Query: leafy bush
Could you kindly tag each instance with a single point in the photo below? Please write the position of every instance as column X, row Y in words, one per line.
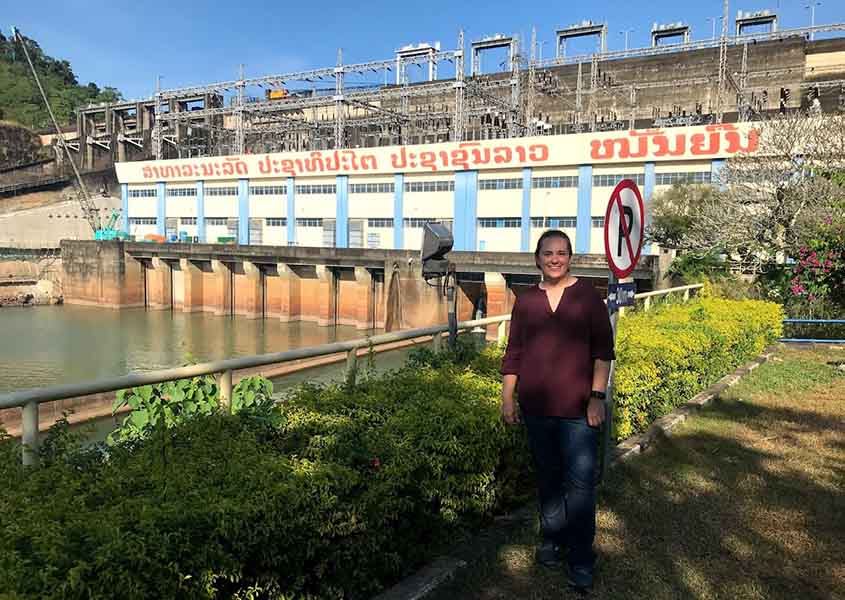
column 667, row 356
column 348, row 489
column 334, row 493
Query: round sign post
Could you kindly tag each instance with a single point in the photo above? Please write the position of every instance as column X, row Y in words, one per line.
column 624, row 223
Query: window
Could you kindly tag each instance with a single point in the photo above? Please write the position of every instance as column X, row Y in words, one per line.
column 373, row 240
column 419, row 223
column 509, row 222
column 142, row 220
column 554, row 222
column 500, row 184
column 429, row 186
column 182, row 192
column 218, row 221
column 379, row 222
column 268, row 190
column 188, row 220
column 330, row 188
column 276, row 221
column 598, row 222
column 694, row 177
column 371, row 188
column 612, row 180
column 563, row 181
column 221, row 191
column 142, row 193
column 309, row 222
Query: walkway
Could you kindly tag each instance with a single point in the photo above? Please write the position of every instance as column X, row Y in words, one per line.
column 745, row 501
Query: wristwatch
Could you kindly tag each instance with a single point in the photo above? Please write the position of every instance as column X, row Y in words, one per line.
column 598, row 394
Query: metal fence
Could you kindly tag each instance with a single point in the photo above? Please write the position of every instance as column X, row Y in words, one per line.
column 30, row 399
column 817, row 322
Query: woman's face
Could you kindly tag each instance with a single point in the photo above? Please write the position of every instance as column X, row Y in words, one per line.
column 555, row 256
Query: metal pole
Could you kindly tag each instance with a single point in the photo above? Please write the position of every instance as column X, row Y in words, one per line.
column 351, row 367
column 609, row 404
column 452, row 301
column 29, row 435
column 224, row 384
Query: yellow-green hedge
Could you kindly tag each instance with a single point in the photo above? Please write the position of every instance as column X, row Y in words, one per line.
column 666, row 356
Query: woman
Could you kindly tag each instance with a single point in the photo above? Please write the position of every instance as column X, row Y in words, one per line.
column 559, row 352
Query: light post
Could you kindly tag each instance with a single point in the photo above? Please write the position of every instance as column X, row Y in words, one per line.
column 713, row 20
column 812, row 8
column 625, row 32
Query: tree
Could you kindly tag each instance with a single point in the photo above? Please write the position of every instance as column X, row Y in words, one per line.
column 767, row 203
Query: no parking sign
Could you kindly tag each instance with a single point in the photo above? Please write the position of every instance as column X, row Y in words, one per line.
column 624, row 221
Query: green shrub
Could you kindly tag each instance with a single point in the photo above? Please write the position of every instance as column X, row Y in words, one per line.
column 668, row 355
column 347, row 490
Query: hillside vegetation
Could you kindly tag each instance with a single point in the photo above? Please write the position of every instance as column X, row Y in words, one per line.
column 19, row 98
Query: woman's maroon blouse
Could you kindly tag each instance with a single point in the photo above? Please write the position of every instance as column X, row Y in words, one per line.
column 552, row 353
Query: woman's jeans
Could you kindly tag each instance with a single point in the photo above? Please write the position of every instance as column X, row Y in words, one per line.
column 565, row 455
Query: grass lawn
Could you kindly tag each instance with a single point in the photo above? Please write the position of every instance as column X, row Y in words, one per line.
column 745, row 501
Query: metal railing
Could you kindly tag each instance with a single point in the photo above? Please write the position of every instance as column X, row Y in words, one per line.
column 812, row 322
column 30, row 399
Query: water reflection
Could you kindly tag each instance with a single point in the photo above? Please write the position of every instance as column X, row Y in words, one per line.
column 65, row 344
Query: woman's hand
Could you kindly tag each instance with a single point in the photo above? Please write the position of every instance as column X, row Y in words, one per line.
column 510, row 412
column 595, row 412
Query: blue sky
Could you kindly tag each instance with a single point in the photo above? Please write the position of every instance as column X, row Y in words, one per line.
column 127, row 44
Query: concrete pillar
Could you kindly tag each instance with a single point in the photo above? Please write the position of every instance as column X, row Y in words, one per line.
column 525, row 234
column 201, row 211
column 249, row 293
column 365, row 301
column 290, row 303
column 465, row 210
column 341, row 237
column 326, row 308
column 161, row 213
column 159, row 285
column 243, row 211
column 291, row 211
column 399, row 211
column 648, row 191
column 585, row 210
column 121, row 148
column 496, row 292
column 222, row 288
column 192, row 279
column 124, row 202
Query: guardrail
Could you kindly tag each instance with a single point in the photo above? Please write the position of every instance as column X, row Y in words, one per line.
column 222, row 369
column 812, row 322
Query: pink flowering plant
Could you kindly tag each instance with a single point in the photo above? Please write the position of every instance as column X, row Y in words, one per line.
column 818, row 274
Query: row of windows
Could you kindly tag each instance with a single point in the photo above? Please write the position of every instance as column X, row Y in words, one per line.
column 562, row 181
column 182, row 192
column 328, row 188
column 612, row 180
column 491, row 222
column 429, row 186
column 486, row 222
column 142, row 193
column 554, row 222
column 221, row 191
column 371, row 188
column 419, row 222
column 500, row 184
column 700, row 177
column 268, row 190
